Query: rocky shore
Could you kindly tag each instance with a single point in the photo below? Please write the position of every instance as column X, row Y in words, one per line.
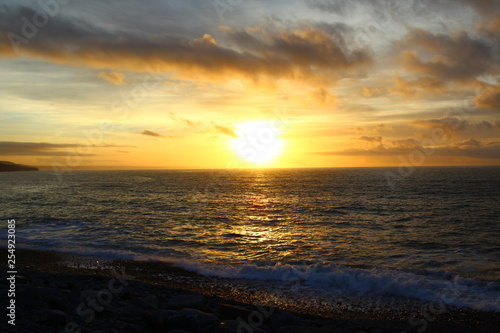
column 65, row 293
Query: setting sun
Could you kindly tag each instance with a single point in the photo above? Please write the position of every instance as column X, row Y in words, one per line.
column 258, row 142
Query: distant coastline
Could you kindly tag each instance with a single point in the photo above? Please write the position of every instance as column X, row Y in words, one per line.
column 9, row 166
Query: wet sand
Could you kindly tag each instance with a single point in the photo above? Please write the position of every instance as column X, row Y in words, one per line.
column 58, row 292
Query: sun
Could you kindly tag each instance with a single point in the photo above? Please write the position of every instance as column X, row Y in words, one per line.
column 258, row 142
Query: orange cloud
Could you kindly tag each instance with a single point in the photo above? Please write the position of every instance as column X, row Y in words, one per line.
column 113, row 77
column 373, row 92
column 424, row 84
column 489, row 98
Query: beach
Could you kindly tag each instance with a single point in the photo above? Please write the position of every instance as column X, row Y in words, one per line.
column 58, row 292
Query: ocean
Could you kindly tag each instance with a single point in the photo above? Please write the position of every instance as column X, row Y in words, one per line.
column 335, row 234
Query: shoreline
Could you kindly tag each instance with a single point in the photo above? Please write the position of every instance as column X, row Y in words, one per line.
column 61, row 282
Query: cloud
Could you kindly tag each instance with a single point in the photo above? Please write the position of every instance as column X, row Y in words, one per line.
column 153, row 134
column 451, row 126
column 371, row 139
column 225, row 130
column 372, row 129
column 467, row 148
column 409, row 89
column 457, row 58
column 489, row 98
column 113, row 77
column 373, row 91
column 484, row 7
column 9, row 148
column 307, row 53
column 324, row 97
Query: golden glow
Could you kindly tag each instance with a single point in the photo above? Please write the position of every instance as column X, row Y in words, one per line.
column 258, row 142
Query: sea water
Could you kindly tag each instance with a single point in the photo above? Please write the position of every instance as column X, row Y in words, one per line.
column 432, row 235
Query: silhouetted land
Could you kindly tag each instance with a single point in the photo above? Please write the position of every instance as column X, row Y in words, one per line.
column 9, row 166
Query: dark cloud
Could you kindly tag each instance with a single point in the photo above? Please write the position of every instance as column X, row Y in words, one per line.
column 8, row 148
column 310, row 54
column 451, row 126
column 483, row 7
column 457, row 58
column 467, row 148
column 153, row 134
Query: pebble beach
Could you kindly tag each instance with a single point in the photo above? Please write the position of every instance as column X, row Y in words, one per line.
column 58, row 292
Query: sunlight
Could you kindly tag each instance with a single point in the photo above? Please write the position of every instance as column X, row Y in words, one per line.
column 258, row 142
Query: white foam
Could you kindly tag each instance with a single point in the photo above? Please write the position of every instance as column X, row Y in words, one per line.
column 458, row 291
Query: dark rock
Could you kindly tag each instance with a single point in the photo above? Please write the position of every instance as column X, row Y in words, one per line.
column 44, row 292
column 56, row 317
column 76, row 290
column 160, row 319
column 131, row 311
column 205, row 319
column 302, row 329
column 21, row 279
column 27, row 291
column 147, row 303
column 228, row 311
column 186, row 301
column 238, row 326
column 190, row 324
column 57, row 303
column 282, row 318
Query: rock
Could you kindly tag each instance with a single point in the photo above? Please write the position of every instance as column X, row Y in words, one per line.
column 302, row 329
column 205, row 319
column 89, row 293
column 131, row 311
column 186, row 301
column 56, row 317
column 57, row 303
column 76, row 289
column 228, row 311
column 21, row 279
column 27, row 291
column 235, row 326
column 180, row 322
column 147, row 303
column 49, row 292
column 152, row 301
column 159, row 319
column 228, row 326
column 282, row 318
column 28, row 298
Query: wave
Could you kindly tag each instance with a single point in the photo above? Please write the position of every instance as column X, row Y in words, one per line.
column 444, row 288
column 425, row 285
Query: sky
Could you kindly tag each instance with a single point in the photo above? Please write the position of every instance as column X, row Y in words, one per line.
column 249, row 83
